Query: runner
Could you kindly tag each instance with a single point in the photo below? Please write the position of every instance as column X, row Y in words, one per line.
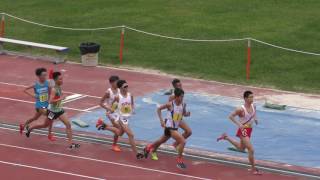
column 175, row 110
column 176, row 83
column 41, row 89
column 247, row 116
column 106, row 103
column 55, row 111
column 125, row 109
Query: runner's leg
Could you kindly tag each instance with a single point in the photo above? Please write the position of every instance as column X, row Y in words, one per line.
column 187, row 131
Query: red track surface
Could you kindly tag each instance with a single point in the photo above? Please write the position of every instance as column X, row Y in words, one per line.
column 94, row 160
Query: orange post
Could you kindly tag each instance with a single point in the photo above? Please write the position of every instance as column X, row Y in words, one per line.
column 248, row 59
column 121, row 45
column 2, row 27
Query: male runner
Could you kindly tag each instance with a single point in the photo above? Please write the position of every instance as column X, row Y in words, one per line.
column 41, row 89
column 106, row 102
column 126, row 108
column 55, row 111
column 171, row 124
column 247, row 116
column 176, row 83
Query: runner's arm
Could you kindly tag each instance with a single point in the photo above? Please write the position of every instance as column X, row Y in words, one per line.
column 255, row 116
column 103, row 99
column 233, row 115
column 26, row 90
column 162, row 107
column 185, row 112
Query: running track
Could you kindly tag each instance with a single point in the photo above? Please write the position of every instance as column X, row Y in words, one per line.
column 36, row 158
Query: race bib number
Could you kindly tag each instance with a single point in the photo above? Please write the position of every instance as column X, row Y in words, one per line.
column 126, row 109
column 177, row 117
column 51, row 115
column 244, row 133
column 43, row 97
column 114, row 106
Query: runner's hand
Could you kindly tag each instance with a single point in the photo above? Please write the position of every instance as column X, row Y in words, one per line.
column 187, row 114
column 162, row 123
column 241, row 126
column 256, row 121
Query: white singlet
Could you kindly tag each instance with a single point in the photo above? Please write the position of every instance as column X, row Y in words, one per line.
column 174, row 116
column 125, row 107
column 248, row 118
column 114, row 106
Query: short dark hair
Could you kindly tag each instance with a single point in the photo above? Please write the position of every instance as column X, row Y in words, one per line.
column 178, row 92
column 39, row 71
column 120, row 83
column 113, row 79
column 56, row 75
column 246, row 94
column 175, row 81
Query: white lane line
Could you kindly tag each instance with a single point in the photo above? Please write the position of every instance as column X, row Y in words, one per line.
column 20, row 85
column 24, row 101
column 50, row 170
column 103, row 161
column 73, row 99
column 73, row 96
column 92, row 108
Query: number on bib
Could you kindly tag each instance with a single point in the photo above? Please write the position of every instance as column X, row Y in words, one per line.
column 126, row 109
column 51, row 115
column 177, row 117
column 43, row 97
column 114, row 106
column 244, row 133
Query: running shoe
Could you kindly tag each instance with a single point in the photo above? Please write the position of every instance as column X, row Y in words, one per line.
column 100, row 125
column 154, row 156
column 116, row 148
column 222, row 137
column 180, row 164
column 28, row 131
column 147, row 150
column 51, row 137
column 139, row 156
column 74, row 146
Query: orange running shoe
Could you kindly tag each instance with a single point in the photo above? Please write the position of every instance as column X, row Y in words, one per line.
column 100, row 125
column 116, row 148
column 222, row 137
column 51, row 137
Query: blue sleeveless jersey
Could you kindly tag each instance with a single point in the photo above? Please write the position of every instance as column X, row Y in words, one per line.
column 41, row 92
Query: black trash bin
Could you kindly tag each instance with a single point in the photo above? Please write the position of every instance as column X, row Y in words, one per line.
column 89, row 53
